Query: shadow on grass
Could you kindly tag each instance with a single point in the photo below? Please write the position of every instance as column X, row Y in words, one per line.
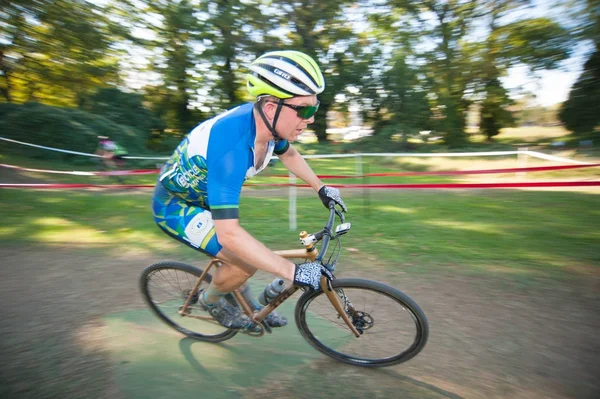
column 326, row 378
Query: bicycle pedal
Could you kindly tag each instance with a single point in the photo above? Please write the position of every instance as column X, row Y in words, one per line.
column 194, row 299
column 266, row 327
column 254, row 330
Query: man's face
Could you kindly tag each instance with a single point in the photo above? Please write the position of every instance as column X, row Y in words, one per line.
column 289, row 124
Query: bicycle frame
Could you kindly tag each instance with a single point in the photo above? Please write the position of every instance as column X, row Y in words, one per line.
column 311, row 253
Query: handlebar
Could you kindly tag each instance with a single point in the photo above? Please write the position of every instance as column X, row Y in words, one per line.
column 326, row 233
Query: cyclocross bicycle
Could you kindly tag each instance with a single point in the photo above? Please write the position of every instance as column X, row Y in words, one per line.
column 355, row 321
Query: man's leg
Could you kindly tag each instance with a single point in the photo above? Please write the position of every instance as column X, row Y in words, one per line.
column 194, row 227
column 227, row 277
column 109, row 162
column 274, row 319
column 232, row 275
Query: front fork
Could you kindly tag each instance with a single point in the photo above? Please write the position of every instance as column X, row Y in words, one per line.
column 326, row 286
column 337, row 304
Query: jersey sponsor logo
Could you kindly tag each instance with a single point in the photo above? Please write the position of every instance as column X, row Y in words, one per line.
column 282, row 74
column 198, row 226
column 187, row 178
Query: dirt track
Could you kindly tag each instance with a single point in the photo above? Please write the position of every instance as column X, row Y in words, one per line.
column 489, row 337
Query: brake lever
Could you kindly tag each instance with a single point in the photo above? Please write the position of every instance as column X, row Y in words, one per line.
column 340, row 214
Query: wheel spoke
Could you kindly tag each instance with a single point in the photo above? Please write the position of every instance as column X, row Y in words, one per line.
column 162, row 289
column 167, row 280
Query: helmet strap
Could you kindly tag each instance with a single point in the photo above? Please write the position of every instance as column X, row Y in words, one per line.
column 266, row 121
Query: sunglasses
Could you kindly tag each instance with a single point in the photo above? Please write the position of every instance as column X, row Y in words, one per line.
column 303, row 111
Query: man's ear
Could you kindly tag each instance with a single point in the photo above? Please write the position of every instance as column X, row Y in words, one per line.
column 269, row 108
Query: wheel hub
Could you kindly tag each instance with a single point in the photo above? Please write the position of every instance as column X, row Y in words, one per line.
column 362, row 320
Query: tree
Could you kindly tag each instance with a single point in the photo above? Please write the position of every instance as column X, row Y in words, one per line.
column 448, row 66
column 581, row 112
column 56, row 52
column 235, row 32
column 17, row 42
column 494, row 111
column 392, row 90
column 538, row 43
column 316, row 28
column 173, row 38
column 462, row 70
column 125, row 109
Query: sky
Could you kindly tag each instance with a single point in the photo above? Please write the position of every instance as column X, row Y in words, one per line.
column 549, row 87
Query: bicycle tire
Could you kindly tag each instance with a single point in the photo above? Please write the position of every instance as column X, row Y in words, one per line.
column 170, row 273
column 320, row 325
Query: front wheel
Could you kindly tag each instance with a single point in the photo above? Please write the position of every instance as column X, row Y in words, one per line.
column 165, row 286
column 393, row 328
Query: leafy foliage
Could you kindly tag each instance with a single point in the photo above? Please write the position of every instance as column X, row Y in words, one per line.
column 539, row 43
column 406, row 65
column 494, row 112
column 581, row 112
column 60, row 127
column 55, row 52
column 319, row 29
column 233, row 32
column 448, row 62
column 125, row 109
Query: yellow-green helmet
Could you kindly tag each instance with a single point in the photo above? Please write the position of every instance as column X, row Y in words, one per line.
column 285, row 74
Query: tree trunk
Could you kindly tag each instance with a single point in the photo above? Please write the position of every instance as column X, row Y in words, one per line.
column 5, row 91
column 230, row 84
column 6, row 75
column 320, row 124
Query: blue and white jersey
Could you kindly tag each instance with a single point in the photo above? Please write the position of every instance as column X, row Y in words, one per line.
column 209, row 166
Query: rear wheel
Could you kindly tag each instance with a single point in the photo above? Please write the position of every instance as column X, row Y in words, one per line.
column 165, row 286
column 393, row 328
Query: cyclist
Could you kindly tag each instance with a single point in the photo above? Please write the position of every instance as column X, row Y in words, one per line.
column 112, row 153
column 196, row 199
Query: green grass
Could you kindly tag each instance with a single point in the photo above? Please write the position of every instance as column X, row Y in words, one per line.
column 514, row 233
column 508, row 232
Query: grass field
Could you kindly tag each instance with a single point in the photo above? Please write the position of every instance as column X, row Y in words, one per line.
column 517, row 233
column 507, row 231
